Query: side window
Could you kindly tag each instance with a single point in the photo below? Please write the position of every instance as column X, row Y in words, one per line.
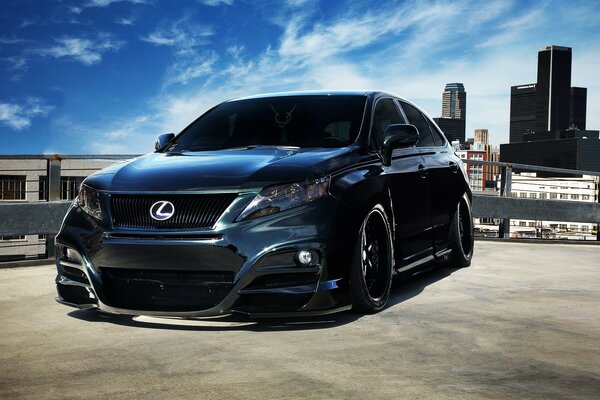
column 417, row 119
column 386, row 113
column 437, row 136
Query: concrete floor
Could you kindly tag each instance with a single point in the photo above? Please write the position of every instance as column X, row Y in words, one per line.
column 523, row 322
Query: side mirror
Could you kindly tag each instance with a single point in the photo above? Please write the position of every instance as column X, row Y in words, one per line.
column 162, row 140
column 397, row 136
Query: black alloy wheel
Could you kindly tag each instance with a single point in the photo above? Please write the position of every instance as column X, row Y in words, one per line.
column 371, row 274
column 461, row 235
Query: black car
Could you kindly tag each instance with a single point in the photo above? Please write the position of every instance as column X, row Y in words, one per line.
column 284, row 203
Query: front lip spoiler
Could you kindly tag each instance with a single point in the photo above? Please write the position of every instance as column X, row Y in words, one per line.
column 211, row 312
column 196, row 314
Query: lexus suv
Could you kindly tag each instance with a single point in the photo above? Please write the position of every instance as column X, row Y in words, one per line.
column 288, row 203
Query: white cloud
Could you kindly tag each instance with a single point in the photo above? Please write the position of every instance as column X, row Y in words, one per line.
column 12, row 40
column 125, row 21
column 214, row 3
column 104, row 3
column 181, row 35
column 27, row 22
column 19, row 116
column 86, row 51
column 188, row 69
column 186, row 39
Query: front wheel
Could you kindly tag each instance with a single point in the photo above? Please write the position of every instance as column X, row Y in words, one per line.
column 371, row 271
column 461, row 235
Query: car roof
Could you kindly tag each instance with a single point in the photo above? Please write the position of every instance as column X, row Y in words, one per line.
column 315, row 93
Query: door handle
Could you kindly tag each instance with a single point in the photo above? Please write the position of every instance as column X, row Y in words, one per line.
column 422, row 171
column 453, row 166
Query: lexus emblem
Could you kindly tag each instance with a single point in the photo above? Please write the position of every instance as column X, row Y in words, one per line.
column 162, row 210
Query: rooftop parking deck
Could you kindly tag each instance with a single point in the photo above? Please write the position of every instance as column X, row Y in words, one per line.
column 522, row 322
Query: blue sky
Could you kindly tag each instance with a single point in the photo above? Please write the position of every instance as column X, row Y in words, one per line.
column 107, row 76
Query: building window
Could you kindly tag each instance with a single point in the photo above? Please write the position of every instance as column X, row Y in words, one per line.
column 524, row 195
column 532, row 224
column 514, row 194
column 553, row 196
column 532, row 195
column 562, row 226
column 585, row 197
column 17, row 237
column 573, row 226
column 43, row 188
column 574, row 197
column 522, row 223
column 12, row 187
column 564, row 196
column 584, row 228
column 69, row 187
column 543, row 195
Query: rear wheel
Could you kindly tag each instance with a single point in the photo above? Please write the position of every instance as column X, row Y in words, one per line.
column 371, row 271
column 461, row 235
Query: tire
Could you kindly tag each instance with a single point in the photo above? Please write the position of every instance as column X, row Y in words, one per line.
column 461, row 235
column 372, row 265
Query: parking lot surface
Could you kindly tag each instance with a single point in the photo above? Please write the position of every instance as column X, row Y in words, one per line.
column 522, row 322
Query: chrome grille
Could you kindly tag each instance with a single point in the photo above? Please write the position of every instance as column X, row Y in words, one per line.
column 191, row 211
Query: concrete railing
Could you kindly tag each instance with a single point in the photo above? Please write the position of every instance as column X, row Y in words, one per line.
column 46, row 217
column 25, row 218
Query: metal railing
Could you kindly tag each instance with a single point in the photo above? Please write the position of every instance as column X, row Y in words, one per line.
column 21, row 218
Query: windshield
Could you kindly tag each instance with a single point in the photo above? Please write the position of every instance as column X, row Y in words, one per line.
column 296, row 121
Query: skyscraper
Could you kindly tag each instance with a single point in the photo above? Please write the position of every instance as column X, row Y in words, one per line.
column 553, row 90
column 578, row 107
column 481, row 136
column 454, row 112
column 541, row 110
column 454, row 101
column 555, row 135
column 522, row 111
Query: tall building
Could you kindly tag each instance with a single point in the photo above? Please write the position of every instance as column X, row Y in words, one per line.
column 454, row 129
column 454, row 101
column 539, row 111
column 481, row 136
column 578, row 107
column 522, row 111
column 454, row 112
column 553, row 90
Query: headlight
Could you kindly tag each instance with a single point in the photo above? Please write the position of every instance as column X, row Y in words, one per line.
column 283, row 197
column 89, row 201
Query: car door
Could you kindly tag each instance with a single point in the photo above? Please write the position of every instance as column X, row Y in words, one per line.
column 409, row 188
column 442, row 169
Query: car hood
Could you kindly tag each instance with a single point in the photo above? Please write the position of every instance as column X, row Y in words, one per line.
column 235, row 169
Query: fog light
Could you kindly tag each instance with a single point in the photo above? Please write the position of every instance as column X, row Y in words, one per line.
column 73, row 255
column 304, row 257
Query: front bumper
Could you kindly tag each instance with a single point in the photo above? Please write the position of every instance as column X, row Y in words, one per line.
column 246, row 267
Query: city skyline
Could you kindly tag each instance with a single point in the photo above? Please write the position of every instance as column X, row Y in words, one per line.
column 108, row 76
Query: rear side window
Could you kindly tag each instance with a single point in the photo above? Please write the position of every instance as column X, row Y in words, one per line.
column 386, row 113
column 417, row 119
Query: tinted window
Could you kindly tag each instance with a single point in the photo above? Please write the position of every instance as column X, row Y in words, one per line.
column 417, row 119
column 437, row 136
column 386, row 113
column 302, row 121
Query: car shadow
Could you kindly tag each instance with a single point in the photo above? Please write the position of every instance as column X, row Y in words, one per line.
column 402, row 290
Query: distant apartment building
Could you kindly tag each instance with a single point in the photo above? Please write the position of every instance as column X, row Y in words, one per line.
column 481, row 177
column 476, row 173
column 530, row 186
column 26, row 180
